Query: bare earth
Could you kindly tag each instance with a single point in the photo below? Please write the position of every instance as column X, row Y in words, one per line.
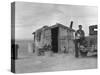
column 56, row 62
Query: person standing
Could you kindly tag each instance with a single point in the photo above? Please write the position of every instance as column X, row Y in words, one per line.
column 79, row 38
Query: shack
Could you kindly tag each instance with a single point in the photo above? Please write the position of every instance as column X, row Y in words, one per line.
column 57, row 38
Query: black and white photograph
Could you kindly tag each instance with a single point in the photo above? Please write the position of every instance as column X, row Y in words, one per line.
column 48, row 37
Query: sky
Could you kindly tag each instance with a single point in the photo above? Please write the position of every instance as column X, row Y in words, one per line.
column 31, row 16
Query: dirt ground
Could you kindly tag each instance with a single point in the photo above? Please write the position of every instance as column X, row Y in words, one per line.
column 56, row 62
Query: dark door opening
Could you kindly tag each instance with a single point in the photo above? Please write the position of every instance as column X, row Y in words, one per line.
column 54, row 38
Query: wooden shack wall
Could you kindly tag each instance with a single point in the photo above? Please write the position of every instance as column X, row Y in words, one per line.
column 70, row 37
column 66, row 40
column 45, row 39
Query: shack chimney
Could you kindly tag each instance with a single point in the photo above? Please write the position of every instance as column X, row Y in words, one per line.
column 71, row 24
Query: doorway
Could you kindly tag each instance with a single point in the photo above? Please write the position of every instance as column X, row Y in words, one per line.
column 54, row 38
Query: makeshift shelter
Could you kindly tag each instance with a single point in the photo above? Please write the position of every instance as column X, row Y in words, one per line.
column 57, row 38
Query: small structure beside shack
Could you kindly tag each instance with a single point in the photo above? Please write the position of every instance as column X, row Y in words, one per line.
column 57, row 38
